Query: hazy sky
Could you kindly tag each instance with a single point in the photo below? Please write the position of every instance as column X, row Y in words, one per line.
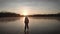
column 31, row 6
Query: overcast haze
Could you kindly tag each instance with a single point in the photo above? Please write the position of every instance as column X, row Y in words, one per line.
column 32, row 6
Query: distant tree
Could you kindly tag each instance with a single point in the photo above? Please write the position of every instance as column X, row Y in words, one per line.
column 58, row 13
column 9, row 14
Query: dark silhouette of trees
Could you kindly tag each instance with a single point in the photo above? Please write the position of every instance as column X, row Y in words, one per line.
column 8, row 14
column 45, row 15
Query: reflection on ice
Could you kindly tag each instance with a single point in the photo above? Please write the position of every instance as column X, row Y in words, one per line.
column 9, row 19
column 52, row 18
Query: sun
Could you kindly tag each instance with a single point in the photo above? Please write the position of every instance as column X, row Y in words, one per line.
column 25, row 11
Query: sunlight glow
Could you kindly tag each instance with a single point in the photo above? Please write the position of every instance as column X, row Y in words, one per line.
column 25, row 11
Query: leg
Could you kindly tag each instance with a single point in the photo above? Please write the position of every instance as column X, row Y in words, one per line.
column 27, row 26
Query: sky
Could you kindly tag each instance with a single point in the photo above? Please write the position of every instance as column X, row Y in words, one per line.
column 30, row 6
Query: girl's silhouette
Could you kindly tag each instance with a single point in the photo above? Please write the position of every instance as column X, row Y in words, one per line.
column 26, row 23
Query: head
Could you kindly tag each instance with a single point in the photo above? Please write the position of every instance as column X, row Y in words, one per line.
column 26, row 16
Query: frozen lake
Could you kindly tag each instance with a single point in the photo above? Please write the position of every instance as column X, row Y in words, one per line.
column 37, row 25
